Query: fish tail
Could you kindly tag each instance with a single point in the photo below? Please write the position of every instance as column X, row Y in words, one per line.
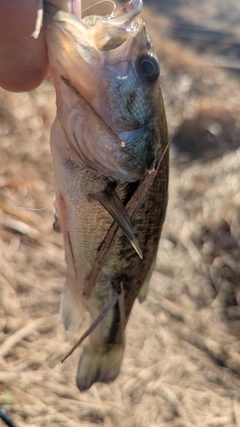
column 99, row 365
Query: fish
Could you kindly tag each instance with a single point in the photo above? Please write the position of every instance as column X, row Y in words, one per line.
column 109, row 146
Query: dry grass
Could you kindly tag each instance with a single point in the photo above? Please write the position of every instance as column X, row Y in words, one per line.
column 182, row 360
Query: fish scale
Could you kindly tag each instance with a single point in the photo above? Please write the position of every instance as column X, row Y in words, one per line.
column 131, row 111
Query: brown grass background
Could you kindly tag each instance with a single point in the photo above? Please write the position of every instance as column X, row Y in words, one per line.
column 182, row 360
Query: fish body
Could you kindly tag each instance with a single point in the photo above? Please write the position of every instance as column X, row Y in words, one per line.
column 98, row 169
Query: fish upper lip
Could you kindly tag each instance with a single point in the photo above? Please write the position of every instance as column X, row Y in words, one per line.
column 125, row 16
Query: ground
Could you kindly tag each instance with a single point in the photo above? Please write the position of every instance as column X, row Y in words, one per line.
column 182, row 360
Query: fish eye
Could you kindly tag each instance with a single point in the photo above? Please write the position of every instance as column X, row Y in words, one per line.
column 148, row 68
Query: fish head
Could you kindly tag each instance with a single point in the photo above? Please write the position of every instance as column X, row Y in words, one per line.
column 111, row 63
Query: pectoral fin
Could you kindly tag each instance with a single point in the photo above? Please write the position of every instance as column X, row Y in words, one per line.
column 111, row 202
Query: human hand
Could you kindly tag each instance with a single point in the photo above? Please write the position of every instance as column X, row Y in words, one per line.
column 23, row 59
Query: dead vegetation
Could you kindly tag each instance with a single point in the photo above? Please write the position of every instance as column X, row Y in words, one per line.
column 182, row 359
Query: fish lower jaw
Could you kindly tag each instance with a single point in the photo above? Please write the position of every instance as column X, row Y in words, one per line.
column 99, row 365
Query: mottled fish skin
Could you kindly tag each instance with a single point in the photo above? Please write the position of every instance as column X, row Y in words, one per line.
column 102, row 58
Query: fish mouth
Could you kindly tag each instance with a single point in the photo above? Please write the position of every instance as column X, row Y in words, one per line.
column 123, row 15
column 105, row 32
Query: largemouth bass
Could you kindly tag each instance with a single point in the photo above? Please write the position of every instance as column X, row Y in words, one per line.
column 108, row 137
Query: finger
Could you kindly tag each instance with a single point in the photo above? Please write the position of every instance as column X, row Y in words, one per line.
column 23, row 59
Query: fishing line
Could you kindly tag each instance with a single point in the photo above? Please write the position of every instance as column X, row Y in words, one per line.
column 102, row 1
